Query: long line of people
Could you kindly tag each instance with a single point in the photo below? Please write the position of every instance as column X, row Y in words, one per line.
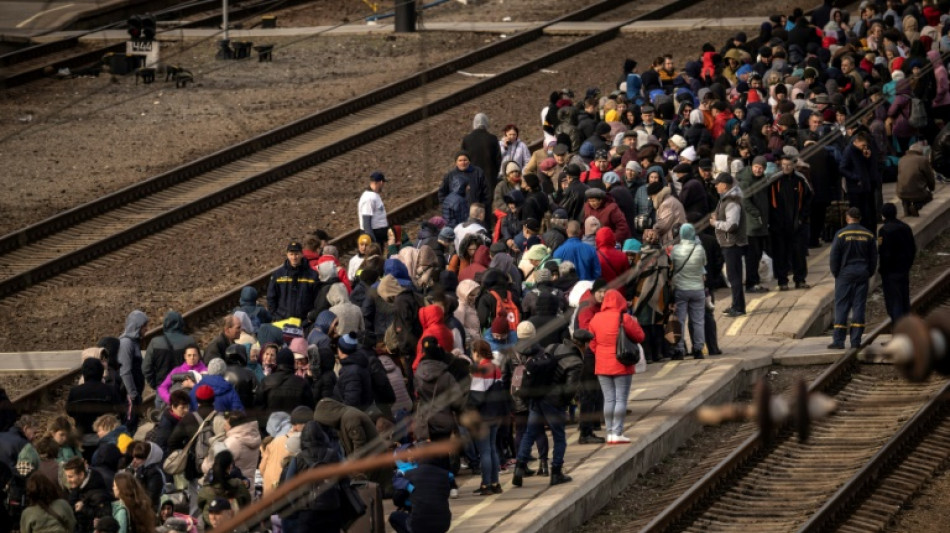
column 514, row 301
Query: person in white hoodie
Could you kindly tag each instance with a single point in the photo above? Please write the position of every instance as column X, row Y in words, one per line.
column 242, row 438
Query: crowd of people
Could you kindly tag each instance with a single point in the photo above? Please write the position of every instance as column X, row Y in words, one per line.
column 549, row 278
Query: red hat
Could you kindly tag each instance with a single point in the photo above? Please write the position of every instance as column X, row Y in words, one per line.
column 499, row 326
column 204, row 393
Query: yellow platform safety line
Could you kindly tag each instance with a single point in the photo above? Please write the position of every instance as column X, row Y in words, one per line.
column 753, row 305
column 473, row 511
column 667, row 368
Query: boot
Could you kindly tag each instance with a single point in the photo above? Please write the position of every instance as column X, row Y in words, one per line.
column 543, row 468
column 520, row 473
column 558, row 477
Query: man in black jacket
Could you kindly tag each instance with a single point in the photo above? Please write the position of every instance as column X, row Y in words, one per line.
column 88, row 494
column 483, row 148
column 218, row 347
column 93, row 398
column 896, row 249
column 282, row 390
column 354, row 386
column 238, row 375
column 293, row 287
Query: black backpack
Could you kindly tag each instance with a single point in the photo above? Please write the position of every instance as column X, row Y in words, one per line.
column 538, row 375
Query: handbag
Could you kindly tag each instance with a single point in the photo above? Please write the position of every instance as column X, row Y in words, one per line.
column 177, row 461
column 628, row 352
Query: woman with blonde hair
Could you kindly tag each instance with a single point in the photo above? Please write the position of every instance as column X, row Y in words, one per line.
column 132, row 508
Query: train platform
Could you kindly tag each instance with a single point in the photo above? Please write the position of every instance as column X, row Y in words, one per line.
column 502, row 28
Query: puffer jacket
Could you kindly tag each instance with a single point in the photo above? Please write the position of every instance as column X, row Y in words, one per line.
column 282, row 390
column 613, row 262
column 466, row 314
column 354, row 387
column 604, row 326
column 439, row 400
column 689, row 262
column 610, row 216
column 257, row 313
column 225, row 396
column 730, row 222
column 431, row 317
column 398, row 384
column 244, row 443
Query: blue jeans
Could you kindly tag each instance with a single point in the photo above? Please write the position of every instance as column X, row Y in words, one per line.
column 694, row 303
column 539, row 412
column 489, row 456
column 616, row 391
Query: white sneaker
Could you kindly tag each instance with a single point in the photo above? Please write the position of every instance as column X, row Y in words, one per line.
column 454, row 493
column 610, row 438
column 620, row 439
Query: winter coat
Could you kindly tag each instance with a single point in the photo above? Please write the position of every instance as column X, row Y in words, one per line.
column 354, row 427
column 398, row 383
column 93, row 398
column 160, row 358
column 900, row 111
column 482, row 147
column 58, row 519
column 610, row 216
column 130, row 355
column 943, row 84
column 546, row 315
column 669, row 213
column 317, row 450
column 692, row 196
column 163, row 430
column 623, row 197
column 479, row 191
column 225, row 397
column 395, row 290
column 568, row 376
column 604, row 326
column 11, row 442
column 582, row 255
column 248, row 303
column 689, row 265
column 613, row 262
column 479, row 264
column 789, row 203
column 466, row 314
column 862, row 174
column 273, row 455
column 897, row 247
column 354, row 387
column 915, row 177
column 755, row 205
column 244, row 443
column 730, row 222
column 349, row 317
column 282, row 391
column 292, row 291
column 232, row 488
column 439, row 400
column 455, row 205
column 150, row 474
column 487, row 394
column 164, row 390
column 430, row 499
column 431, row 317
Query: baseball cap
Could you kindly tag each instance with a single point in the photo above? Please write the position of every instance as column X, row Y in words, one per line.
column 532, row 225
column 724, row 177
column 294, row 246
column 600, row 155
column 377, row 176
column 219, row 505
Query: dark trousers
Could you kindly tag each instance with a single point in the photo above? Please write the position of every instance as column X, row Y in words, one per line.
column 539, row 413
column 753, row 256
column 733, row 256
column 712, row 336
column 522, row 421
column 816, row 222
column 912, row 209
column 896, row 289
column 788, row 254
column 399, row 520
column 867, row 203
column 851, row 295
column 652, row 342
column 382, row 237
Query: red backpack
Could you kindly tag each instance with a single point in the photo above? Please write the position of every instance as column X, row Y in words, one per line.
column 507, row 308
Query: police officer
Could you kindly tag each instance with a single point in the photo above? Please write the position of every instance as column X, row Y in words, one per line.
column 853, row 262
column 897, row 248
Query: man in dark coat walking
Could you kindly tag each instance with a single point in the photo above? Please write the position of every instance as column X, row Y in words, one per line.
column 483, row 149
column 897, row 250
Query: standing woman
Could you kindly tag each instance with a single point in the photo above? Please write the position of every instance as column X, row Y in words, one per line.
column 614, row 377
column 513, row 149
column 488, row 397
column 689, row 290
column 47, row 512
column 132, row 508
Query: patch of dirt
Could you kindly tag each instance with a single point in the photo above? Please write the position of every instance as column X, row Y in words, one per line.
column 66, row 142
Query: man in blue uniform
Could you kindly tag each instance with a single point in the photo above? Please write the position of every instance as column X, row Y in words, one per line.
column 897, row 250
column 853, row 262
column 293, row 286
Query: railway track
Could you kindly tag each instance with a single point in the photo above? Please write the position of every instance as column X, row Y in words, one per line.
column 31, row 63
column 67, row 240
column 857, row 467
column 119, row 219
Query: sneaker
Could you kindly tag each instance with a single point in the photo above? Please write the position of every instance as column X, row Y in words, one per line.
column 483, row 490
column 454, row 493
column 835, row 346
column 802, row 285
column 732, row 313
column 610, row 439
column 620, row 439
column 757, row 288
column 496, row 488
column 590, row 439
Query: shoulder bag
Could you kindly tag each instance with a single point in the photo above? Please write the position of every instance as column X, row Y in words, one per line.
column 177, row 460
column 628, row 352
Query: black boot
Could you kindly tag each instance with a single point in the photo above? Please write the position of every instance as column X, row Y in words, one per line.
column 558, row 477
column 521, row 471
column 543, row 468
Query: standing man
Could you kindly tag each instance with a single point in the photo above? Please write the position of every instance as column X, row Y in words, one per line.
column 372, row 212
column 861, row 170
column 130, row 366
column 484, row 148
column 897, row 249
column 853, row 262
column 729, row 222
column 293, row 287
column 789, row 203
column 755, row 207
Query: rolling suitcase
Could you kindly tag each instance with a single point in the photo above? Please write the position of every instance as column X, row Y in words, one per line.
column 373, row 521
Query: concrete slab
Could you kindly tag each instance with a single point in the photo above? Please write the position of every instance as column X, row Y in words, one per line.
column 39, row 361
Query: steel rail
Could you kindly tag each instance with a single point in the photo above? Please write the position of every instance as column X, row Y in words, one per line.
column 755, row 446
column 182, row 174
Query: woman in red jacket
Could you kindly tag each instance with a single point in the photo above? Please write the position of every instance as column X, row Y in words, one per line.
column 614, row 377
column 613, row 262
column 433, row 325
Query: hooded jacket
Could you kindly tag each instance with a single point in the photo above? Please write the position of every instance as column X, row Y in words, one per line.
column 755, row 205
column 349, row 317
column 582, row 255
column 466, row 314
column 688, row 260
column 354, row 387
column 395, row 289
column 669, row 212
column 165, row 352
column 915, row 177
column 482, row 147
column 165, row 389
column 244, row 443
column 150, row 475
column 605, row 327
column 317, row 450
column 225, row 397
column 613, row 262
column 479, row 188
column 130, row 355
column 610, row 216
column 93, row 398
column 398, row 384
column 439, row 400
column 282, row 390
column 432, row 318
column 479, row 264
column 354, row 427
column 248, row 303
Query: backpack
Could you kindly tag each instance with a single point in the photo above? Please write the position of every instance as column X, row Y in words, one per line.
column 507, row 308
column 918, row 114
column 537, row 376
column 15, row 497
column 205, row 441
column 454, row 209
column 517, row 379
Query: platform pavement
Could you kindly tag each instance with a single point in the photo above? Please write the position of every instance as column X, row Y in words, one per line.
column 504, row 28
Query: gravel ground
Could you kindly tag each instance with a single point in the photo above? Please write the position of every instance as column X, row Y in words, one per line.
column 65, row 142
column 181, row 267
column 662, row 483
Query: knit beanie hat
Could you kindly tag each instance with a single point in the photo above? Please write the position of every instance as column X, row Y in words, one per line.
column 526, row 330
column 298, row 346
column 301, row 415
column 285, row 357
column 599, row 283
column 217, row 367
column 542, row 275
column 499, row 326
column 760, row 160
column 348, row 343
column 204, row 393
